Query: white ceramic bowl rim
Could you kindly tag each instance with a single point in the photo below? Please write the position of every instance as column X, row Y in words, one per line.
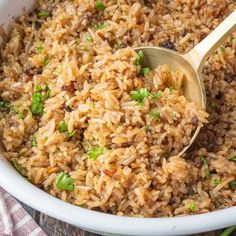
column 92, row 220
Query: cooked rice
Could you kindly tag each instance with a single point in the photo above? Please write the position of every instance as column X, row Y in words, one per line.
column 84, row 57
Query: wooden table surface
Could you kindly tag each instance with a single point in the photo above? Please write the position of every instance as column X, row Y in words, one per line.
column 53, row 227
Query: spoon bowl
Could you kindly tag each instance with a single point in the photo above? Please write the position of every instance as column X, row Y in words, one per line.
column 190, row 63
column 193, row 88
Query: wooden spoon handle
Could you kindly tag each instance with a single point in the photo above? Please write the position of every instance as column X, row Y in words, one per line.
column 200, row 53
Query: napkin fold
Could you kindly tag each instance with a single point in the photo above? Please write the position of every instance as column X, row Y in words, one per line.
column 14, row 220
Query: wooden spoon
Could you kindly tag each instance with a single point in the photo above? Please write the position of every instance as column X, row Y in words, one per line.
column 191, row 63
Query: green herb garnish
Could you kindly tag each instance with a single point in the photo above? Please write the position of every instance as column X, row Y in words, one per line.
column 63, row 127
column 155, row 114
column 43, row 14
column 171, row 89
column 228, row 231
column 46, row 61
column 5, row 105
column 222, row 48
column 59, row 69
column 145, row 128
column 118, row 46
column 38, row 88
column 156, row 95
column 232, row 184
column 64, row 182
column 192, row 207
column 34, row 142
column 38, row 99
column 94, row 153
column 18, row 167
column 100, row 6
column 144, row 71
column 89, row 38
column 143, row 93
column 139, row 95
column 19, row 113
column 233, row 159
column 217, row 181
column 139, row 59
column 39, row 49
column 37, row 104
column 70, row 134
column 46, row 138
column 100, row 26
column 213, row 105
column 47, row 93
column 206, row 167
column 92, row 105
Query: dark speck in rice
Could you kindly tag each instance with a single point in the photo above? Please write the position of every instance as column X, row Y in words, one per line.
column 229, row 77
column 168, row 44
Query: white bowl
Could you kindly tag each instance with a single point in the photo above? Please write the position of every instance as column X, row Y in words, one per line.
column 91, row 220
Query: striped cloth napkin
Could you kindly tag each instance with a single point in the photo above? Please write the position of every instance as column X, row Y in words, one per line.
column 14, row 220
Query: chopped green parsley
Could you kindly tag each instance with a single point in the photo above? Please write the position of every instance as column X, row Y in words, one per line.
column 100, row 6
column 39, row 88
column 63, row 127
column 154, row 113
column 64, row 182
column 222, row 48
column 59, row 69
column 37, row 104
column 206, row 167
column 43, row 14
column 145, row 128
column 233, row 159
column 156, row 95
column 47, row 93
column 213, row 106
column 94, row 153
column 144, row 71
column 91, row 105
column 5, row 105
column 100, row 26
column 39, row 49
column 89, row 38
column 232, row 184
column 140, row 58
column 34, row 142
column 9, row 107
column 217, row 181
column 38, row 99
column 118, row 46
column 139, row 95
column 171, row 89
column 192, row 207
column 142, row 94
column 70, row 134
column 46, row 61
column 18, row 112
